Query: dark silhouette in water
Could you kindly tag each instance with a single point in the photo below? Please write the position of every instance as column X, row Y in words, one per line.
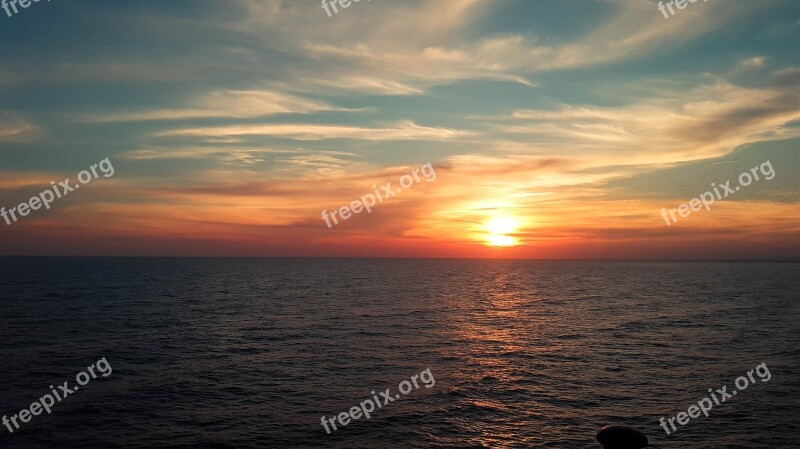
column 621, row 437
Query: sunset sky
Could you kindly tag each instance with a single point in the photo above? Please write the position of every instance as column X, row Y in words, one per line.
column 556, row 128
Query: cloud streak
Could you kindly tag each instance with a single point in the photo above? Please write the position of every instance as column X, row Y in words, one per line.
column 406, row 130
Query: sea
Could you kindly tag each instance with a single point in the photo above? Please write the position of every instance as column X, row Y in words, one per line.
column 255, row 353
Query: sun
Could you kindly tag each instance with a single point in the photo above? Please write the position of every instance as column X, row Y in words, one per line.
column 499, row 228
column 501, row 240
column 501, row 225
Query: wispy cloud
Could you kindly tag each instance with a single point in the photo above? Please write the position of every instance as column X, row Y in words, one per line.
column 406, row 130
column 15, row 128
column 703, row 122
column 225, row 104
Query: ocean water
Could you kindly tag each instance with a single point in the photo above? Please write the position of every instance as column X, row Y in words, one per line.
column 251, row 353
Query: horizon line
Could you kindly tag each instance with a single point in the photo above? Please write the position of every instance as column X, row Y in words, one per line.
column 412, row 258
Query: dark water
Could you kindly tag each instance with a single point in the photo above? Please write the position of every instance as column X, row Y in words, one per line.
column 250, row 353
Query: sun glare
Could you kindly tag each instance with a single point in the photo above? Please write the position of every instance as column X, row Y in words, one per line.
column 501, row 240
column 501, row 225
column 499, row 228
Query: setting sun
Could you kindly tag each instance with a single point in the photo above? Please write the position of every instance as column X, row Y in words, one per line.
column 499, row 228
column 501, row 240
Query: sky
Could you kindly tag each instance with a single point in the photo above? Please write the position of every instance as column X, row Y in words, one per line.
column 554, row 129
